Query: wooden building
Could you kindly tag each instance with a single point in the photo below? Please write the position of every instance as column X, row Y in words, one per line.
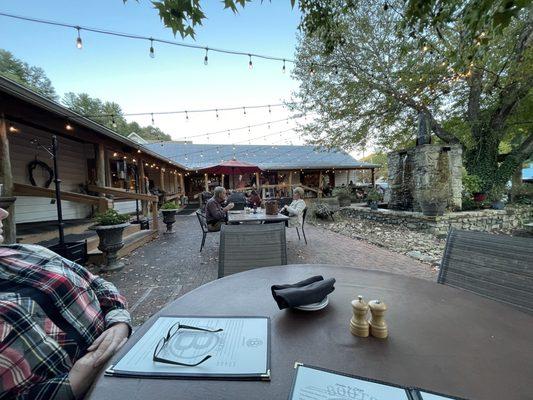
column 98, row 169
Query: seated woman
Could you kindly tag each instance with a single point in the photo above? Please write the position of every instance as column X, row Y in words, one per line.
column 59, row 324
column 296, row 208
column 254, row 199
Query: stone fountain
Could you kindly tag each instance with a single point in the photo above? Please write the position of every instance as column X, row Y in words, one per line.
column 414, row 170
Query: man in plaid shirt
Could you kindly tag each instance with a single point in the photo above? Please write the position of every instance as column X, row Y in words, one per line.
column 58, row 324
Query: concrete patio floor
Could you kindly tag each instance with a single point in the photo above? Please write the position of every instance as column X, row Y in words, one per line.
column 172, row 265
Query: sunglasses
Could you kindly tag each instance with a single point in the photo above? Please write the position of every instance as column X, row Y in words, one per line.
column 173, row 330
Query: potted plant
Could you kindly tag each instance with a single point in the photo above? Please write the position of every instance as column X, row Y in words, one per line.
column 110, row 226
column 372, row 198
column 433, row 200
column 472, row 184
column 343, row 195
column 169, row 210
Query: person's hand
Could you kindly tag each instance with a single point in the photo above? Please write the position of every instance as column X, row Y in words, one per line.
column 229, row 206
column 108, row 343
column 84, row 371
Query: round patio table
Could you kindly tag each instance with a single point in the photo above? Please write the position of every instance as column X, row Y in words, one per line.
column 441, row 339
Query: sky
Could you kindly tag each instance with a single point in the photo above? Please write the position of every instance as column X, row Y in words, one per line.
column 120, row 70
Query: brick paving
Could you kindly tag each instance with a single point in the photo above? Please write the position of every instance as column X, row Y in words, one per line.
column 172, row 265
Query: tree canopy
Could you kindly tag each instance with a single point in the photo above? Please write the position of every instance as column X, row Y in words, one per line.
column 378, row 76
column 33, row 77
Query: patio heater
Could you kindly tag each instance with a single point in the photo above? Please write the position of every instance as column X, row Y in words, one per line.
column 74, row 251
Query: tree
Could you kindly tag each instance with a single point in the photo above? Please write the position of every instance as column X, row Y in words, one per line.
column 30, row 76
column 369, row 77
column 110, row 115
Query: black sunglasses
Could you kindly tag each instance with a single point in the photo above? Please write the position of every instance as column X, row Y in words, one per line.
column 173, row 330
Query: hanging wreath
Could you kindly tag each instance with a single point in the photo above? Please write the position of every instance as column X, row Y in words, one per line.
column 36, row 163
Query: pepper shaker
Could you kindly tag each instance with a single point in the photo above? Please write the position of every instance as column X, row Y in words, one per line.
column 359, row 326
column 378, row 326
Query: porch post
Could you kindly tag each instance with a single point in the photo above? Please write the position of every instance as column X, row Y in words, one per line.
column 320, row 183
column 290, row 182
column 175, row 181
column 373, row 178
column 206, row 182
column 100, row 166
column 6, row 179
column 142, row 187
column 182, row 184
column 161, row 179
column 222, row 180
column 257, row 184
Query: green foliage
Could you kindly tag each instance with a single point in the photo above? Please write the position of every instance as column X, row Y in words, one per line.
column 471, row 184
column 522, row 194
column 380, row 158
column 34, row 78
column 373, row 195
column 341, row 193
column 468, row 203
column 111, row 217
column 112, row 118
column 170, row 205
column 322, row 211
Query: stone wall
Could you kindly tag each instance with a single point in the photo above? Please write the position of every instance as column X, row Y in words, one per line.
column 419, row 168
column 513, row 217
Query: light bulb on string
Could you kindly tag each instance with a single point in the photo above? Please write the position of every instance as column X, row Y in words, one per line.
column 79, row 42
column 152, row 51
column 153, row 122
column 250, row 64
column 113, row 122
column 312, row 70
column 244, row 110
column 283, row 69
column 186, row 116
column 336, row 70
column 216, row 111
column 206, row 58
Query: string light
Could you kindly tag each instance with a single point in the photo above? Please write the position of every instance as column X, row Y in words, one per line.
column 79, row 42
column 152, row 51
column 69, row 127
column 250, row 64
column 312, row 70
column 12, row 128
column 153, row 122
column 113, row 122
column 186, row 116
column 244, row 110
column 206, row 58
column 216, row 111
column 283, row 68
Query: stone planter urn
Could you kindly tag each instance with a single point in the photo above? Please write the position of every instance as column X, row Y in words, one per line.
column 169, row 217
column 110, row 243
column 432, row 209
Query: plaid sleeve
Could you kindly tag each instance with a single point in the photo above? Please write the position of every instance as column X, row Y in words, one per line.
column 32, row 365
column 113, row 304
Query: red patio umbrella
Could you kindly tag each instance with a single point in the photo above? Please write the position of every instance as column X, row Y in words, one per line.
column 232, row 167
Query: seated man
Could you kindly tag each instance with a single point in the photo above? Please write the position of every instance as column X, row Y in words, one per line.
column 215, row 213
column 59, row 324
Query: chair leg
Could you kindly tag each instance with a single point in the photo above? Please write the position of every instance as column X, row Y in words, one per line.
column 298, row 232
column 203, row 241
column 303, row 231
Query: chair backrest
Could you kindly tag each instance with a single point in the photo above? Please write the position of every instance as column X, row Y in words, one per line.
column 248, row 246
column 499, row 267
column 239, row 206
column 202, row 220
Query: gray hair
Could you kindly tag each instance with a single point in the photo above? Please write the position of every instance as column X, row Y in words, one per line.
column 218, row 191
column 300, row 191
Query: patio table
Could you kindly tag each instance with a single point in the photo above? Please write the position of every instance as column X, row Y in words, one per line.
column 441, row 339
column 260, row 216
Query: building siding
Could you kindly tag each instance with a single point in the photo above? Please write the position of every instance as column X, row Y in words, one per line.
column 72, row 164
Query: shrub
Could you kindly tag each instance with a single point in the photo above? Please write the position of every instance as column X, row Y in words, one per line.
column 468, row 204
column 522, row 194
column 373, row 195
column 472, row 184
column 322, row 211
column 111, row 217
column 342, row 193
column 170, row 205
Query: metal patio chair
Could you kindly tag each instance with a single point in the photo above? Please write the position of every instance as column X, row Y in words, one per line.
column 303, row 223
column 203, row 224
column 244, row 247
column 498, row 267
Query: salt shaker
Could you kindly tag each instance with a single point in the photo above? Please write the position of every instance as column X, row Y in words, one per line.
column 378, row 326
column 359, row 326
